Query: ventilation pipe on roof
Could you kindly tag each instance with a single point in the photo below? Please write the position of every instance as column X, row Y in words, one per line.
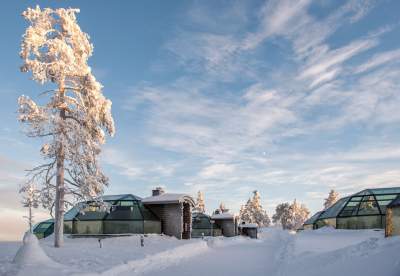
column 158, row 191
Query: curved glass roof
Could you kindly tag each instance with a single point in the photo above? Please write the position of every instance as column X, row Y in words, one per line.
column 118, row 207
column 380, row 191
column 43, row 226
column 334, row 210
column 74, row 211
column 368, row 202
column 313, row 218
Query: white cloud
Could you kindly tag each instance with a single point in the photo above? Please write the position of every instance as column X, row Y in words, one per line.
column 123, row 164
column 185, row 120
column 276, row 18
column 217, row 171
column 330, row 65
column 378, row 60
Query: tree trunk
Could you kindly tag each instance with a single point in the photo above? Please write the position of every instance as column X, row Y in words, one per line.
column 30, row 219
column 60, row 191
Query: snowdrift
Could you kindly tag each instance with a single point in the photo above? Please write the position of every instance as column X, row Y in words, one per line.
column 30, row 253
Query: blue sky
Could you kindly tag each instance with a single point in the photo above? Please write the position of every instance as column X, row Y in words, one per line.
column 291, row 98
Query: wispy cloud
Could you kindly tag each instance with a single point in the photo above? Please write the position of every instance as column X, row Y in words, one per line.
column 330, row 65
column 380, row 59
column 185, row 120
column 122, row 163
column 216, row 171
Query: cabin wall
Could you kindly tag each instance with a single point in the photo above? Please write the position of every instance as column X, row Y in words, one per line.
column 171, row 216
column 392, row 221
column 187, row 221
column 228, row 227
column 396, row 221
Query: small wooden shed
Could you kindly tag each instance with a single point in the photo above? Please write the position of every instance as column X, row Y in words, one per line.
column 174, row 210
column 392, row 227
column 227, row 222
column 248, row 229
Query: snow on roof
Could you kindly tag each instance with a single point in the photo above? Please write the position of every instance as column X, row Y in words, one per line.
column 248, row 225
column 223, row 216
column 120, row 197
column 168, row 198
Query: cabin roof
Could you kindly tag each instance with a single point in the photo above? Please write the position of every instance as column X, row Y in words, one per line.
column 223, row 216
column 248, row 225
column 168, row 198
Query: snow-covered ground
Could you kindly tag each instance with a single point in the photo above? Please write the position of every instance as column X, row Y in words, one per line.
column 276, row 252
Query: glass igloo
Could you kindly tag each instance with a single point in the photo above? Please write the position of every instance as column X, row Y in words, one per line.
column 363, row 210
column 118, row 214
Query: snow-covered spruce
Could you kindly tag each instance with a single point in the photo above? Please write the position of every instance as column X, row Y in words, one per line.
column 332, row 198
column 76, row 116
column 200, row 205
column 253, row 211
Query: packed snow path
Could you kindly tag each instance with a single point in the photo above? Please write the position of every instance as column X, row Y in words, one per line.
column 236, row 256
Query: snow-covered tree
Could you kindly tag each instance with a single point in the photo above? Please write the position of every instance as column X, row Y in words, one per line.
column 253, row 211
column 298, row 214
column 259, row 214
column 76, row 116
column 332, row 198
column 290, row 216
column 281, row 215
column 245, row 213
column 200, row 206
column 30, row 199
column 222, row 208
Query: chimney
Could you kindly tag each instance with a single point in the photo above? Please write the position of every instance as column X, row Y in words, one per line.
column 158, row 191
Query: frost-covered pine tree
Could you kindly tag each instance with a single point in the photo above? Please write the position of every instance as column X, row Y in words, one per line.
column 332, row 198
column 290, row 216
column 298, row 214
column 253, row 211
column 30, row 199
column 200, row 206
column 245, row 213
column 260, row 216
column 76, row 116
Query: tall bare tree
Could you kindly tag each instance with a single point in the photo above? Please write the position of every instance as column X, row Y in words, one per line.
column 76, row 116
